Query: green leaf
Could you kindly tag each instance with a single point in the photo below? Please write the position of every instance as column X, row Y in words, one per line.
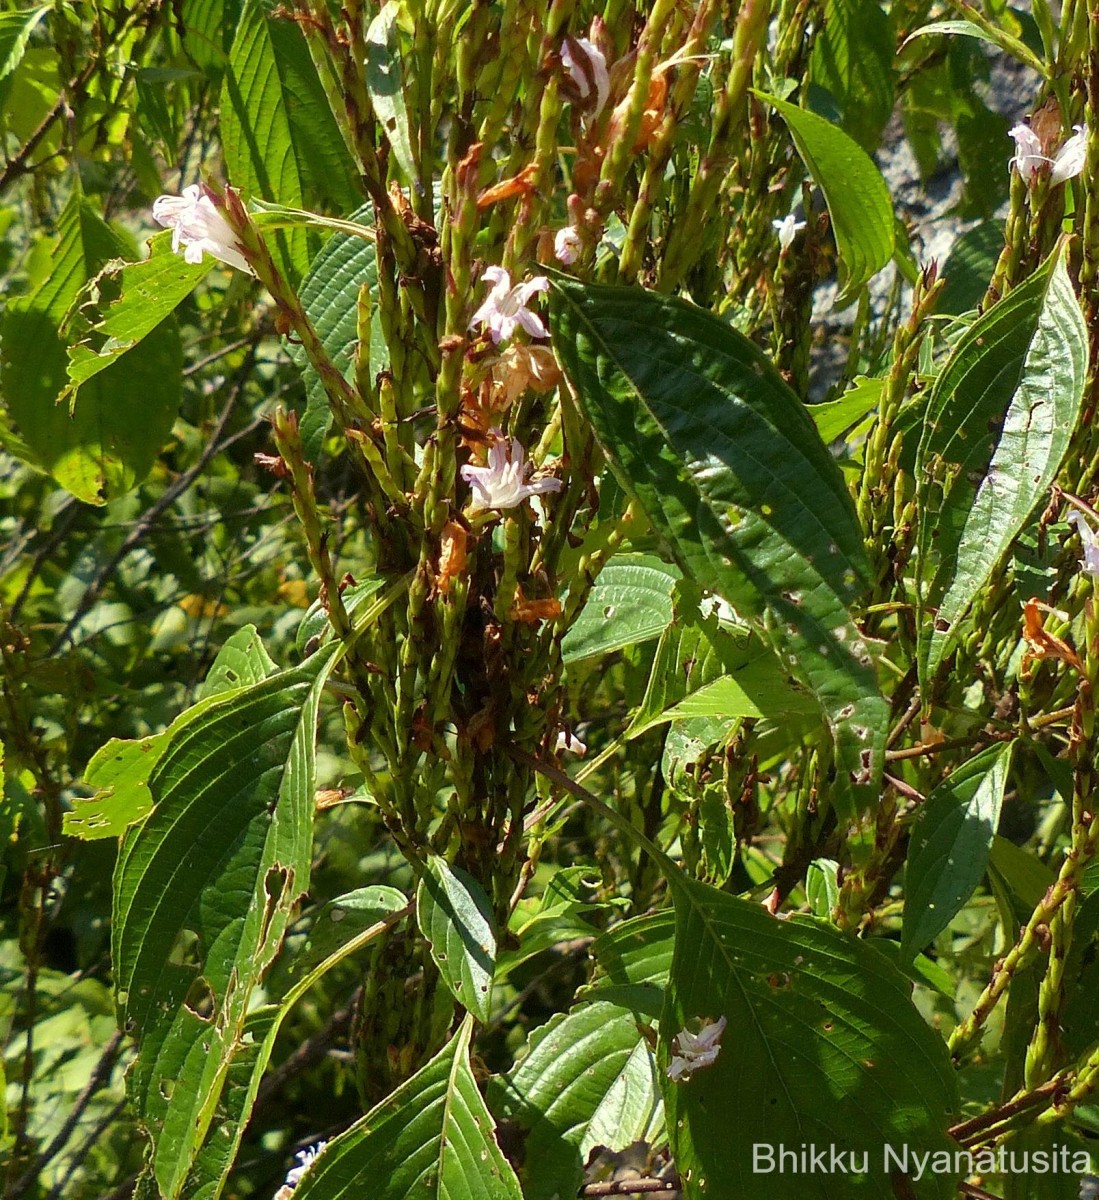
column 455, row 916
column 969, row 267
column 315, row 622
column 999, row 421
column 260, row 152
column 853, row 57
column 630, row 603
column 203, row 891
column 95, row 445
column 995, row 37
column 586, row 1080
column 432, row 1139
column 383, row 82
column 822, row 887
column 633, row 961
column 242, row 661
column 701, row 670
column 1079, row 1021
column 835, row 417
column 856, row 194
column 727, row 465
column 330, row 297
column 338, row 920
column 950, row 844
column 15, row 32
column 119, row 771
column 122, row 305
column 823, row 1047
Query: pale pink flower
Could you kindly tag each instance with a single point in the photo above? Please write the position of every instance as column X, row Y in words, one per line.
column 503, row 483
column 587, row 67
column 1028, row 154
column 198, row 225
column 1089, row 542
column 505, row 307
column 787, row 229
column 567, row 743
column 695, row 1050
column 568, row 245
column 1070, row 158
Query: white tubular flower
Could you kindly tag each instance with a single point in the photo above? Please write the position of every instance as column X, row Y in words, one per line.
column 505, row 307
column 587, row 67
column 568, row 244
column 1028, row 154
column 1089, row 541
column 695, row 1050
column 568, row 744
column 305, row 1159
column 1070, row 158
column 787, row 229
column 198, row 226
column 503, row 483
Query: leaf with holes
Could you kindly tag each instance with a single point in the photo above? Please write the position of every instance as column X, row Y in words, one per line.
column 203, row 891
column 102, row 441
column 455, row 916
column 823, row 1046
column 124, row 304
column 950, row 844
column 432, row 1139
column 999, row 421
column 587, row 1079
column 724, row 460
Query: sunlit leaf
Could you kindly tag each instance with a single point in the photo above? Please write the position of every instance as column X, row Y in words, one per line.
column 456, row 918
column 998, row 424
column 587, row 1079
column 950, row 844
column 823, row 1047
column 630, row 603
column 431, row 1139
column 856, row 194
column 203, row 891
column 727, row 465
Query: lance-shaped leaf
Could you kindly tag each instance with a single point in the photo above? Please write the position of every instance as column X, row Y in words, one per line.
column 854, row 58
column 587, row 1079
column 203, row 891
column 330, row 295
column 260, row 151
column 854, row 190
column 998, row 424
column 723, row 458
column 432, row 1139
column 950, row 844
column 822, row 1047
column 455, row 916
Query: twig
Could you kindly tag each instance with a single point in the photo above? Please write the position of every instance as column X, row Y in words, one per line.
column 78, row 1159
column 171, row 494
column 95, row 1081
column 970, row 1132
column 629, row 1187
column 308, row 1053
